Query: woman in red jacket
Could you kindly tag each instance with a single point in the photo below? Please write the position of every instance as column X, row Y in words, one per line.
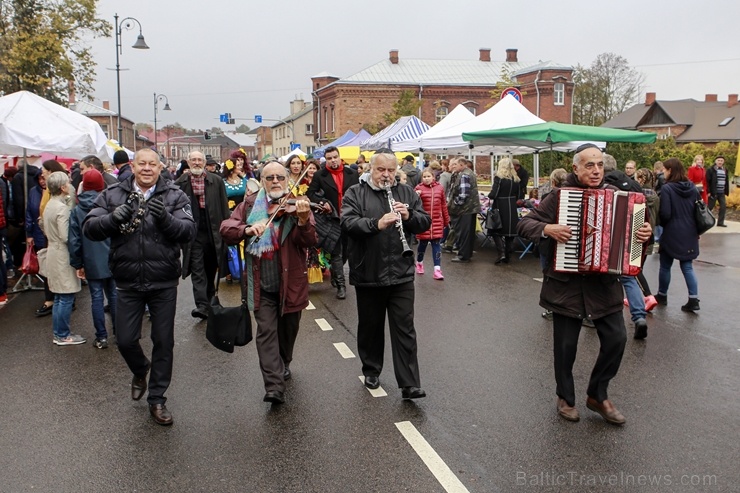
column 433, row 199
column 698, row 175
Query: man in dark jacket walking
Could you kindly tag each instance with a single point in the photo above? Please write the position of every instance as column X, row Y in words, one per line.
column 327, row 188
column 122, row 162
column 574, row 296
column 202, row 257
column 718, row 182
column 275, row 276
column 382, row 275
column 146, row 219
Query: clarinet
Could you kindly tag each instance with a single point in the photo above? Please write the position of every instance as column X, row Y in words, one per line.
column 407, row 251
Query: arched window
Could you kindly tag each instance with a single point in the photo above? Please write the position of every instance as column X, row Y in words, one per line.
column 441, row 113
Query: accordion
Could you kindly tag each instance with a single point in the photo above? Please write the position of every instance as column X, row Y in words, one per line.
column 604, row 225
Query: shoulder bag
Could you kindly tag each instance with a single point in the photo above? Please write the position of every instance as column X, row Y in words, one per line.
column 229, row 326
column 703, row 217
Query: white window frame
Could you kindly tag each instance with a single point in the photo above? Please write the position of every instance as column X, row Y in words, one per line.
column 438, row 113
column 558, row 94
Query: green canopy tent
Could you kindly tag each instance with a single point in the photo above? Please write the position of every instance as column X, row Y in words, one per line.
column 543, row 136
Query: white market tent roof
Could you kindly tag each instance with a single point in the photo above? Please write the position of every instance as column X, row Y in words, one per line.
column 403, row 129
column 457, row 116
column 32, row 125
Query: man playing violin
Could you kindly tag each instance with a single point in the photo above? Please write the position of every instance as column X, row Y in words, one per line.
column 275, row 280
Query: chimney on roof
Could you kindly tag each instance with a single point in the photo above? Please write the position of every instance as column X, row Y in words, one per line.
column 106, row 104
column 710, row 98
column 511, row 55
column 649, row 98
column 485, row 55
column 71, row 86
column 394, row 57
column 731, row 100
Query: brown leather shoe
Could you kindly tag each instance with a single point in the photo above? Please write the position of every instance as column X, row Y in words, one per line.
column 567, row 412
column 160, row 414
column 138, row 386
column 607, row 411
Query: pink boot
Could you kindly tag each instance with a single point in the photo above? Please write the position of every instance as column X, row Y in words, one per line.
column 438, row 275
column 419, row 268
column 650, row 303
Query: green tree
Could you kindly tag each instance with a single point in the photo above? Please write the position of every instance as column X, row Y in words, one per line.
column 43, row 46
column 604, row 89
column 407, row 104
column 505, row 81
column 143, row 127
column 242, row 129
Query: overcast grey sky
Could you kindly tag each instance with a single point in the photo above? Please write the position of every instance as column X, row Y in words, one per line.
column 247, row 58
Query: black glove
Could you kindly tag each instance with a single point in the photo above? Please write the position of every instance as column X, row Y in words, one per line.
column 123, row 213
column 157, row 209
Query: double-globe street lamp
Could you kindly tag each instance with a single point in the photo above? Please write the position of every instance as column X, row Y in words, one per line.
column 127, row 23
column 159, row 97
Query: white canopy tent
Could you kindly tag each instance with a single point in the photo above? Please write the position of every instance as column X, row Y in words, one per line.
column 404, row 129
column 431, row 138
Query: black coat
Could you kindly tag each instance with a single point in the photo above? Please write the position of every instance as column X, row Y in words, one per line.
column 217, row 209
column 148, row 258
column 504, row 194
column 323, row 188
column 680, row 239
column 712, row 180
column 375, row 256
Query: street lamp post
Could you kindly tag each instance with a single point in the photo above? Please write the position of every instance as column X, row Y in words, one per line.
column 127, row 23
column 159, row 97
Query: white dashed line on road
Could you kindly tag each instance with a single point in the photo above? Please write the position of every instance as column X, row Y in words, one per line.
column 433, row 461
column 310, row 306
column 324, row 324
column 344, row 350
column 379, row 392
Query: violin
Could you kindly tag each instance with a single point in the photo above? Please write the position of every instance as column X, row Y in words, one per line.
column 288, row 206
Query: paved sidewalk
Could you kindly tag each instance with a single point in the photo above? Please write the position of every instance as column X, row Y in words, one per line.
column 732, row 227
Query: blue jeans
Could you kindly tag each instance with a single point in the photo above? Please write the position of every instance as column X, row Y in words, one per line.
column 61, row 313
column 97, row 288
column 436, row 251
column 634, row 296
column 687, row 269
column 658, row 231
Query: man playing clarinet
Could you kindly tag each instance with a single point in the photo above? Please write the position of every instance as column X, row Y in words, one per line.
column 575, row 296
column 376, row 214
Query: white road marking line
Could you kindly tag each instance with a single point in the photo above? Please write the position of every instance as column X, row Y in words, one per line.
column 324, row 324
column 433, row 461
column 379, row 392
column 344, row 350
column 310, row 306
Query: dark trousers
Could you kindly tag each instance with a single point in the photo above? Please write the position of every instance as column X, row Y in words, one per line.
column 338, row 257
column 275, row 340
column 203, row 266
column 613, row 337
column 129, row 313
column 372, row 305
column 464, row 226
column 721, row 199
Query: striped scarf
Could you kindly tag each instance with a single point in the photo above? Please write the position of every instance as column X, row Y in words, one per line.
column 268, row 242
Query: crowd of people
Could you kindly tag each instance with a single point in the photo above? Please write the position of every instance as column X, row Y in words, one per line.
column 130, row 237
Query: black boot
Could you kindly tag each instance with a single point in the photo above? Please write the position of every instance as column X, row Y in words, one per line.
column 691, row 306
column 501, row 248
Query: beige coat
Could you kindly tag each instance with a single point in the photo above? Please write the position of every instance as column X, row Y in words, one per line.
column 61, row 276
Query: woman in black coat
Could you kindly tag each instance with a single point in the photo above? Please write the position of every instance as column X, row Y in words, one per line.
column 680, row 239
column 504, row 194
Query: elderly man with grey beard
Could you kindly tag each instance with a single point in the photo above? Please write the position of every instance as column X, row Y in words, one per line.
column 201, row 258
column 275, row 278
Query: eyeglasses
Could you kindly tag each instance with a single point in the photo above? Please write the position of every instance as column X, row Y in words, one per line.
column 273, row 177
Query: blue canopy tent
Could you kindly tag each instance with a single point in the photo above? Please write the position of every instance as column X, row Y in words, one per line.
column 358, row 139
column 349, row 135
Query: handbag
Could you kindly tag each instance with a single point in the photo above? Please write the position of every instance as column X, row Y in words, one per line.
column 235, row 261
column 493, row 219
column 703, row 217
column 229, row 326
column 30, row 265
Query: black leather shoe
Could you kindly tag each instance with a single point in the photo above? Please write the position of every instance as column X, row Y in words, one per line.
column 341, row 292
column 274, row 396
column 138, row 386
column 641, row 329
column 44, row 310
column 199, row 313
column 412, row 393
column 461, row 260
column 160, row 414
column 287, row 374
column 372, row 382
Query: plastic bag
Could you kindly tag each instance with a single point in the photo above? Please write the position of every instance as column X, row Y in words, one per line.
column 30, row 263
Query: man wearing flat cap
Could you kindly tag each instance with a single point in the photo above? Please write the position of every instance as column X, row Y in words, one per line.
column 201, row 257
column 574, row 296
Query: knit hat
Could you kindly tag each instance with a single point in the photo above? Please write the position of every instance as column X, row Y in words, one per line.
column 92, row 180
column 120, row 157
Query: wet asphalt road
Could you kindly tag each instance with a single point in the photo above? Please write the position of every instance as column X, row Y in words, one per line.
column 67, row 423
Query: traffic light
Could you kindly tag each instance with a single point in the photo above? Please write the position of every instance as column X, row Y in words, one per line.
column 207, row 135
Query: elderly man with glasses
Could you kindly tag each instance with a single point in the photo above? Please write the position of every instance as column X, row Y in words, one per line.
column 275, row 281
column 574, row 296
